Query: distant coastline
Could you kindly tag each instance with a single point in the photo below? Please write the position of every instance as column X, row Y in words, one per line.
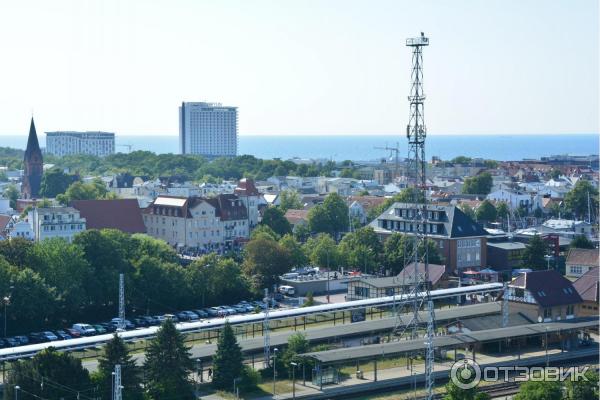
column 362, row 147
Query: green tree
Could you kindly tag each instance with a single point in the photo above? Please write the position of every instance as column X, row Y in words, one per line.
column 64, row 376
column 264, row 231
column 479, row 184
column 323, row 251
column 583, row 389
column 330, row 217
column 12, row 194
column 302, row 232
column 115, row 352
column 264, row 261
column 461, row 160
column 540, row 390
column 274, row 218
column 84, row 191
column 577, row 199
column 16, row 251
column 538, row 213
column 318, row 220
column 502, row 210
column 364, row 236
column 297, row 254
column 55, row 182
column 533, row 256
column 486, row 211
column 468, row 210
column 582, row 242
column 289, row 199
column 397, row 252
column 168, row 365
column 296, row 344
column 227, row 361
column 454, row 392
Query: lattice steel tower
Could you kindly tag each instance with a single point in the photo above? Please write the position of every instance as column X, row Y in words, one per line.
column 415, row 309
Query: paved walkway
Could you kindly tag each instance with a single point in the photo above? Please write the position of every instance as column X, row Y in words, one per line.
column 399, row 375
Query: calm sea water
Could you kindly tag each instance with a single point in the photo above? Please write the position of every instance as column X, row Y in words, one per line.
column 498, row 147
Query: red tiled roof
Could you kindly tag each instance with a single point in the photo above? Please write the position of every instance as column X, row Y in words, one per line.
column 587, row 257
column 4, row 220
column 436, row 272
column 122, row 214
column 587, row 285
column 295, row 216
column 367, row 202
column 246, row 187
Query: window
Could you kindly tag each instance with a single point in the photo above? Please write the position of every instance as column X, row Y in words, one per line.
column 547, row 313
column 389, row 291
column 570, row 310
column 361, row 291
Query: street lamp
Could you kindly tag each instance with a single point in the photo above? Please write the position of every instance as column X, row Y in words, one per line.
column 546, row 345
column 275, row 350
column 294, row 365
column 548, row 258
column 6, row 301
column 17, row 388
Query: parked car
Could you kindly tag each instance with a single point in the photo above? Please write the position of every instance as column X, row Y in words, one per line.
column 172, row 317
column 159, row 319
column 84, row 329
column 73, row 332
column 62, row 335
column 50, row 336
column 149, row 320
column 99, row 329
column 3, row 344
column 230, row 310
column 246, row 306
column 37, row 337
column 108, row 326
column 139, row 322
column 193, row 316
column 23, row 340
column 12, row 342
column 213, row 312
column 128, row 325
column 187, row 316
column 239, row 308
column 201, row 313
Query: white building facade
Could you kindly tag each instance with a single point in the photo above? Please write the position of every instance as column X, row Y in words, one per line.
column 206, row 224
column 51, row 222
column 208, row 129
column 64, row 143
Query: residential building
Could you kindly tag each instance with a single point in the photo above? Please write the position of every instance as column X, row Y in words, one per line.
column 208, row 129
column 52, row 222
column 516, row 199
column 64, row 143
column 460, row 240
column 20, row 229
column 359, row 206
column 297, row 218
column 122, row 214
column 33, row 166
column 248, row 193
column 370, row 287
column 589, row 289
column 204, row 224
column 543, row 296
column 505, row 256
column 580, row 261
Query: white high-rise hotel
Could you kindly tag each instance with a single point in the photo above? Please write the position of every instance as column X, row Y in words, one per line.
column 208, row 129
column 64, row 143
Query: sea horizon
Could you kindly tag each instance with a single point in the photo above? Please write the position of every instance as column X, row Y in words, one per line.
column 501, row 147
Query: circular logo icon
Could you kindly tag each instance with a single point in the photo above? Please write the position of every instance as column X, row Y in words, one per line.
column 465, row 373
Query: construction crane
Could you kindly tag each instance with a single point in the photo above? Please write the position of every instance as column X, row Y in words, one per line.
column 395, row 151
column 128, row 146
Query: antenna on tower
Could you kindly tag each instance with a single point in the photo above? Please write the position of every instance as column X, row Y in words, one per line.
column 121, row 325
column 117, row 387
column 416, row 296
column 266, row 333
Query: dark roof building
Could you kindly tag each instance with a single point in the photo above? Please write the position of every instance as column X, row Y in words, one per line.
column 122, row 214
column 460, row 240
column 33, row 166
column 579, row 261
column 588, row 288
column 543, row 296
column 436, row 273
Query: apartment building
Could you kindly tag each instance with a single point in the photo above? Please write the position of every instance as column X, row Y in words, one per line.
column 460, row 240
column 208, row 129
column 53, row 222
column 64, row 143
column 204, row 224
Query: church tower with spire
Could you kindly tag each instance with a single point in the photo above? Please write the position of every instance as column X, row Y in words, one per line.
column 33, row 165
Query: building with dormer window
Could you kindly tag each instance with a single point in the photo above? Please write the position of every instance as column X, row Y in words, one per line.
column 459, row 239
column 543, row 296
column 52, row 222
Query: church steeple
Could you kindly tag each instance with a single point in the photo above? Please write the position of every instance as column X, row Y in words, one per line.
column 32, row 140
column 33, row 165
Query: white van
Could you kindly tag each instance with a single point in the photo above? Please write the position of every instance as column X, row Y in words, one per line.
column 84, row 329
column 287, row 290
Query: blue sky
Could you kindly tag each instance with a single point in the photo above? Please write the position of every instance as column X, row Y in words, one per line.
column 300, row 67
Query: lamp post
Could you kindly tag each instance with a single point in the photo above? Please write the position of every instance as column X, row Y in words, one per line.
column 17, row 388
column 548, row 258
column 5, row 300
column 546, row 346
column 275, row 350
column 294, row 365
